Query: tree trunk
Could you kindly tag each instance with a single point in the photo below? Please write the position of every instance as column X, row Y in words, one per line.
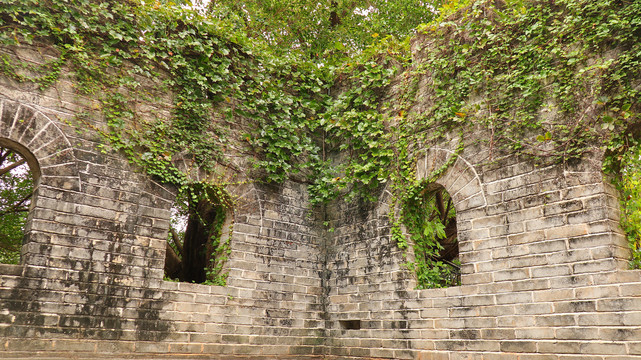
column 173, row 263
column 196, row 254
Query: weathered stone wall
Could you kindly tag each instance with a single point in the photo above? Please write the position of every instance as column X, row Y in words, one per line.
column 91, row 282
column 543, row 277
column 543, row 270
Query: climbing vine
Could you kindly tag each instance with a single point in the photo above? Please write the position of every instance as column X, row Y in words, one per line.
column 623, row 164
column 430, row 219
column 356, row 123
column 532, row 73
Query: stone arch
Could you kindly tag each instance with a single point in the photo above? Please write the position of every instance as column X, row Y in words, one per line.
column 465, row 188
column 23, row 236
column 36, row 134
column 237, row 185
column 49, row 155
column 245, row 219
column 460, row 179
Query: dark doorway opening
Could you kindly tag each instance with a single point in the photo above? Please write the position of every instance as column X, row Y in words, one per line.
column 195, row 247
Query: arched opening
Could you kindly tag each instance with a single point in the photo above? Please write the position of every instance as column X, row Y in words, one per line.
column 198, row 242
column 18, row 177
column 430, row 219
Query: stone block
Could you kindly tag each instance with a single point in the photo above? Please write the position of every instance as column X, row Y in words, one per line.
column 516, row 346
column 578, row 333
column 603, row 348
column 510, row 275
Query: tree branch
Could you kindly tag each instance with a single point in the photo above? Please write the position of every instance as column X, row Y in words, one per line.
column 447, row 210
column 12, row 166
column 440, row 205
column 4, row 154
column 176, row 238
column 18, row 207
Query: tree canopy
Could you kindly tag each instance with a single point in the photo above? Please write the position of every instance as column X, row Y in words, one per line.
column 320, row 30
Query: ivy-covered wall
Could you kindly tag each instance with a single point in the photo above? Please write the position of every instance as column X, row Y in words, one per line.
column 511, row 106
column 91, row 279
column 544, row 268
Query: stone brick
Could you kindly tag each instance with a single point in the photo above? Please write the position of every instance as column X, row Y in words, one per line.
column 551, row 271
column 577, row 333
column 560, row 347
column 535, row 333
column 518, row 346
column 508, row 275
column 603, row 348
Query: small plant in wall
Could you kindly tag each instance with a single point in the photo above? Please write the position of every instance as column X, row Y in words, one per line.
column 623, row 163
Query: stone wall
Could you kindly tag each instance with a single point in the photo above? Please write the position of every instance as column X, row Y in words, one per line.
column 543, row 260
column 91, row 279
column 543, row 270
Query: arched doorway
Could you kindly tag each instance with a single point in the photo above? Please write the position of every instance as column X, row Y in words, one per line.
column 430, row 219
column 17, row 185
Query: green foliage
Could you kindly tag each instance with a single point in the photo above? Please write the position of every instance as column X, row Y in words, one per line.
column 623, row 163
column 189, row 207
column 16, row 187
column 327, row 30
column 286, row 106
column 531, row 72
column 427, row 214
column 357, row 124
column 429, row 219
column 629, row 186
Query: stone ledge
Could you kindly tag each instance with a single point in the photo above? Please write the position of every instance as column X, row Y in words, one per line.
column 10, row 269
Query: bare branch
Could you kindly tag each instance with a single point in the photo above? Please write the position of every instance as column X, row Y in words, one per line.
column 12, row 166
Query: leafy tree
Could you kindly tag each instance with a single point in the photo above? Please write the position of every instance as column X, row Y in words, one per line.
column 16, row 189
column 321, row 28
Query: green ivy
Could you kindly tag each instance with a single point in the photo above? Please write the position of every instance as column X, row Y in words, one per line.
column 426, row 226
column 44, row 75
column 356, row 122
column 629, row 185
